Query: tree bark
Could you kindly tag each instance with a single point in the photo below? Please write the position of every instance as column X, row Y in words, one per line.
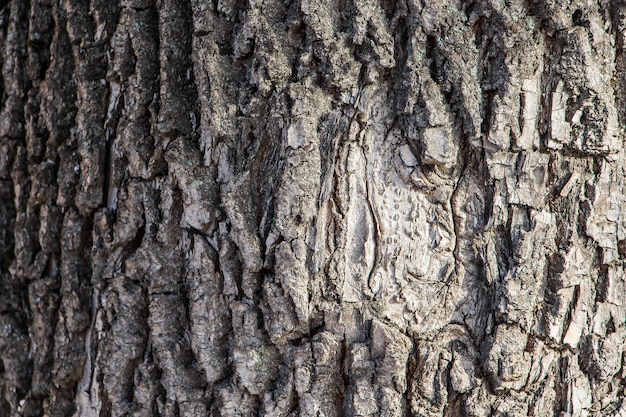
column 312, row 208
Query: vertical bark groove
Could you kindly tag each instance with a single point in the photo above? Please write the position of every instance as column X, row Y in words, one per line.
column 312, row 208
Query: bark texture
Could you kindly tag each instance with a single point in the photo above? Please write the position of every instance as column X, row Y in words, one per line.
column 312, row 208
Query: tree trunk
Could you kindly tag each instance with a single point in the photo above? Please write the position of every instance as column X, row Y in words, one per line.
column 312, row 208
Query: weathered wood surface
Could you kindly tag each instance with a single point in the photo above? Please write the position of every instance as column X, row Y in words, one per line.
column 312, row 208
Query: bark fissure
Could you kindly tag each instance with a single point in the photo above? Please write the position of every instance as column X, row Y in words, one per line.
column 312, row 208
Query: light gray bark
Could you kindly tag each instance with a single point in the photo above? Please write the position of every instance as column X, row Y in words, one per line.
column 312, row 208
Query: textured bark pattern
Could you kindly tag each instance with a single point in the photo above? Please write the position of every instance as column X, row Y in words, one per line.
column 312, row 208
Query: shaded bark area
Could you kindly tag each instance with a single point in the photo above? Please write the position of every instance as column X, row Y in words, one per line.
column 312, row 208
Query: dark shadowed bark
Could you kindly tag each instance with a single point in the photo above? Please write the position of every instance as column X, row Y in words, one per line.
column 312, row 208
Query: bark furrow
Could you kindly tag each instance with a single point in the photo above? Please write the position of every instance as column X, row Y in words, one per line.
column 312, row 208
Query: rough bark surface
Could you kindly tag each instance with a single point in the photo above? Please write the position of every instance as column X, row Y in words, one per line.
column 312, row 208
